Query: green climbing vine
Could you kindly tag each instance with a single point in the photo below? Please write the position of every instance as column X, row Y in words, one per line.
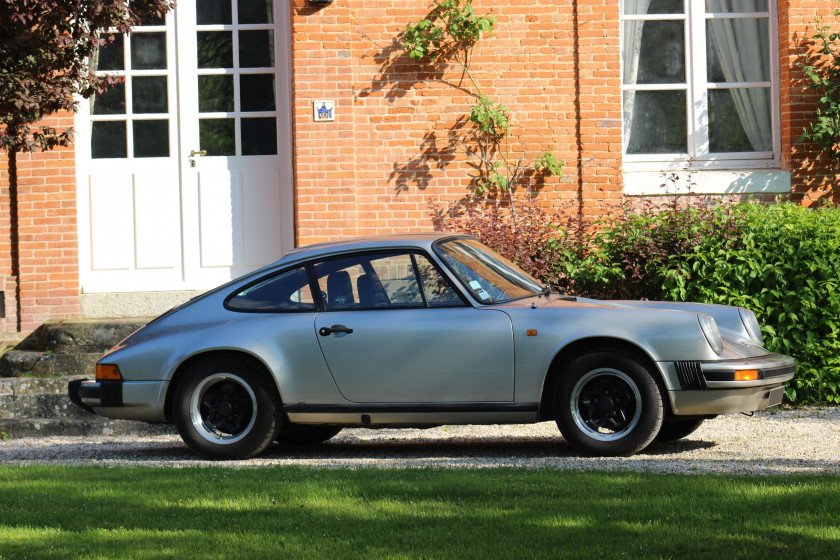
column 448, row 34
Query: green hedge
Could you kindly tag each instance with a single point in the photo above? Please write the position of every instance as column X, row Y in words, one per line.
column 782, row 261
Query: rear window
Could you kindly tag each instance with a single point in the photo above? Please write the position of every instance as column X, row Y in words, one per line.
column 287, row 291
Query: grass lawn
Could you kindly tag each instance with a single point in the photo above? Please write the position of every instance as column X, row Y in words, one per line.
column 89, row 512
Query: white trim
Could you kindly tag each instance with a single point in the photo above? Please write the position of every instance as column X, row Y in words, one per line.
column 650, row 183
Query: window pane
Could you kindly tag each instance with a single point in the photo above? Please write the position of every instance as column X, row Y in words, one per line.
column 151, row 138
column 215, row 49
column 111, row 54
column 337, row 280
column 215, row 93
column 108, row 140
column 658, row 122
column 288, row 291
column 257, row 92
column 653, row 7
column 255, row 11
column 439, row 293
column 256, row 49
column 111, row 102
column 369, row 282
column 736, row 6
column 149, row 94
column 739, row 120
column 654, row 52
column 209, row 12
column 148, row 51
column 396, row 273
column 737, row 50
column 217, row 136
column 259, row 137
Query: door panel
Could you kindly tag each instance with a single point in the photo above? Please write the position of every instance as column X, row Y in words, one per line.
column 420, row 355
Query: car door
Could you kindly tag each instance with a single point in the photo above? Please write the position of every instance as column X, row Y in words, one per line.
column 395, row 331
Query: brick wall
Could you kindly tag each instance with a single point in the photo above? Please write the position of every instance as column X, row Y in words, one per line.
column 47, row 239
column 814, row 176
column 390, row 150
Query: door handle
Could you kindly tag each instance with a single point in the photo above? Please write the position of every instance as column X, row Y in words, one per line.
column 194, row 153
column 335, row 329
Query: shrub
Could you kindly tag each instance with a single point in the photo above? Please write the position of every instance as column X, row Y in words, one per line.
column 521, row 232
column 786, row 267
column 629, row 255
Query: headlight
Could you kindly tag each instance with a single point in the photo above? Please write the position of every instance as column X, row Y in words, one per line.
column 711, row 332
column 751, row 324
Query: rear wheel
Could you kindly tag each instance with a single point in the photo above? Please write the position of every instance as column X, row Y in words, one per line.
column 608, row 403
column 298, row 435
column 225, row 409
column 678, row 429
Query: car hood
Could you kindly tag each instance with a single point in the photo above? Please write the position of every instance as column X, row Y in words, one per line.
column 735, row 335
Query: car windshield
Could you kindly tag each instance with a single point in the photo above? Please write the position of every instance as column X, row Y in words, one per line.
column 487, row 275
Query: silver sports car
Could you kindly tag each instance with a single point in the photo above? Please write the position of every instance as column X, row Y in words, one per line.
column 423, row 330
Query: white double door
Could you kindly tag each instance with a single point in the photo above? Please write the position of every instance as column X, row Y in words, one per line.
column 185, row 169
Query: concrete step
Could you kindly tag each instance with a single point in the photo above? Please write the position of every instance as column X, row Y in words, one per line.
column 30, row 363
column 54, row 427
column 56, row 406
column 87, row 336
column 38, row 386
column 40, row 407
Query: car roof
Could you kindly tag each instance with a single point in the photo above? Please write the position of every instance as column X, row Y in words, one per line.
column 420, row 240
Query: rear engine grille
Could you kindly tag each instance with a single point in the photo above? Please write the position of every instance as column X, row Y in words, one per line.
column 691, row 377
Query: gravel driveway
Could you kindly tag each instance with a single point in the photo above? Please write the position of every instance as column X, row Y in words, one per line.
column 803, row 441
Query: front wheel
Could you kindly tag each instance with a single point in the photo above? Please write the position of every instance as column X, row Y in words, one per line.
column 608, row 403
column 224, row 409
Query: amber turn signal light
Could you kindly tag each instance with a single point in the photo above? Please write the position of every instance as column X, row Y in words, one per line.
column 746, row 375
column 108, row 372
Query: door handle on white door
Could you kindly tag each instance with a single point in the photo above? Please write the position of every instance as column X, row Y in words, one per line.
column 194, row 153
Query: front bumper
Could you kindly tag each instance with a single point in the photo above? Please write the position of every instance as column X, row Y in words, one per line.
column 708, row 388
column 124, row 400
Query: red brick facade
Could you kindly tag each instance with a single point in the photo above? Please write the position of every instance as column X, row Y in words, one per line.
column 44, row 250
column 814, row 176
column 375, row 169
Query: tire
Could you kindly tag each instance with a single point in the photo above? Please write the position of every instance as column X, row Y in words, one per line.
column 226, row 409
column 678, row 429
column 297, row 435
column 607, row 403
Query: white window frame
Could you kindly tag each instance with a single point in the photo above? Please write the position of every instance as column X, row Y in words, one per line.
column 698, row 157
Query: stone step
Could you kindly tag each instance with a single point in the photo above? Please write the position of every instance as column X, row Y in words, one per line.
column 30, row 363
column 93, row 426
column 56, row 406
column 38, row 386
column 87, row 336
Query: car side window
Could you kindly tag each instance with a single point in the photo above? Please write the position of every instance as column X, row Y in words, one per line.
column 287, row 291
column 377, row 281
column 439, row 293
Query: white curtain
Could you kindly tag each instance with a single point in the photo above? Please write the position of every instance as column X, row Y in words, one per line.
column 631, row 44
column 739, row 49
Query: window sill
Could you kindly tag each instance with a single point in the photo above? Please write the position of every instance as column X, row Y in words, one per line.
column 718, row 182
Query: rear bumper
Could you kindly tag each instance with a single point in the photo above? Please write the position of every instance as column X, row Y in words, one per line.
column 125, row 400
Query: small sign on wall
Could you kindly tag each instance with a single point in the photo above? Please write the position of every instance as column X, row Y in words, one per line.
column 324, row 110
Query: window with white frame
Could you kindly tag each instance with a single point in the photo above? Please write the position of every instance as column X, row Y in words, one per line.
column 699, row 83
